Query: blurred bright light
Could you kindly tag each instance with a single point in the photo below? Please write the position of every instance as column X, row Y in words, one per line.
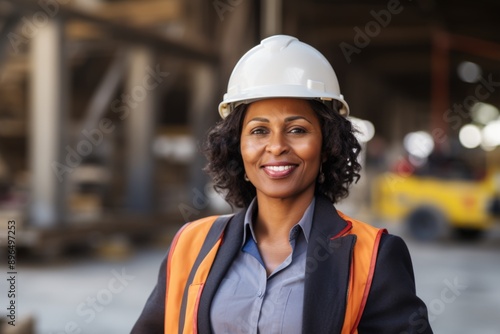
column 419, row 144
column 491, row 134
column 470, row 136
column 469, row 72
column 484, row 113
column 486, row 147
column 417, row 161
column 366, row 129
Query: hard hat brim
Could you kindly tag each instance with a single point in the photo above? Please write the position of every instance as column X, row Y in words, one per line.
column 227, row 106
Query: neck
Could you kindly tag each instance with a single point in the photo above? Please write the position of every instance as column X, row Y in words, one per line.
column 276, row 217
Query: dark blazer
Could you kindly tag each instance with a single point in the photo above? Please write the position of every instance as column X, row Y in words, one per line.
column 392, row 305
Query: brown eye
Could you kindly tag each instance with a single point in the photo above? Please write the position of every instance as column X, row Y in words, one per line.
column 258, row 131
column 297, row 130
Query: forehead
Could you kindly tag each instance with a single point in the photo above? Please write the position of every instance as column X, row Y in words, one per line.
column 280, row 107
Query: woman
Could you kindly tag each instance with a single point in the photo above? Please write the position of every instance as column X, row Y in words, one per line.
column 288, row 262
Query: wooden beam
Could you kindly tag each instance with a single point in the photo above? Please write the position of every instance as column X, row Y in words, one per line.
column 82, row 30
column 355, row 13
column 141, row 13
column 391, row 35
column 199, row 50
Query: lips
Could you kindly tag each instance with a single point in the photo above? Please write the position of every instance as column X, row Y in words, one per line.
column 279, row 171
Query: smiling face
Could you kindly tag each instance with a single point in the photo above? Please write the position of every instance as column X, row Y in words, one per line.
column 281, row 148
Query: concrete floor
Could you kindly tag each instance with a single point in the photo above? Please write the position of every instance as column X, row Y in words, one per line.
column 94, row 295
column 473, row 305
column 101, row 296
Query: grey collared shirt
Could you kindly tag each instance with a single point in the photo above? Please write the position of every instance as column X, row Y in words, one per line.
column 249, row 301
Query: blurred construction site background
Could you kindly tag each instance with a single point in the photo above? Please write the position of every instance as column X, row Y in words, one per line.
column 104, row 104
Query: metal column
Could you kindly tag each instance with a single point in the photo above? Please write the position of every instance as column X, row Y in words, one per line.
column 271, row 17
column 142, row 86
column 202, row 115
column 49, row 89
column 440, row 85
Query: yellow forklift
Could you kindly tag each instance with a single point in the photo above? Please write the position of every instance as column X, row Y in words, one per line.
column 444, row 195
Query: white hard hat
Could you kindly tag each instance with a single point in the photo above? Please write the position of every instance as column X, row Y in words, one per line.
column 281, row 66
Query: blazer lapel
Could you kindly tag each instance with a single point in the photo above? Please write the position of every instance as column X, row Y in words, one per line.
column 233, row 237
column 327, row 270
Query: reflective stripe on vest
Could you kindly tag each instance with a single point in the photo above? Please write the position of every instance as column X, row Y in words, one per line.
column 193, row 252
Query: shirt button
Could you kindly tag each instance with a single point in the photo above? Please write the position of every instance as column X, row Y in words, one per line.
column 260, row 293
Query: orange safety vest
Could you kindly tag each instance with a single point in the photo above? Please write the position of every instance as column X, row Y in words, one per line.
column 193, row 252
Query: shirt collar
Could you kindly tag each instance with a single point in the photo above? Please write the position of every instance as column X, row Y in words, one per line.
column 304, row 223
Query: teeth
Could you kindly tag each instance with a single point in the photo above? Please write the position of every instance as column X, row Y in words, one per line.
column 279, row 168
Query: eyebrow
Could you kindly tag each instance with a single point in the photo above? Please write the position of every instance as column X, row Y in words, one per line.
column 293, row 118
column 287, row 120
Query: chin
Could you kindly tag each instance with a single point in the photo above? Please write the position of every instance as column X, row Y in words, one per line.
column 283, row 194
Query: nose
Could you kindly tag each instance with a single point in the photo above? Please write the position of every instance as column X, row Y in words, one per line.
column 277, row 144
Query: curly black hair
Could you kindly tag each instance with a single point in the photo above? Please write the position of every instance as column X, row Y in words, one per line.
column 340, row 148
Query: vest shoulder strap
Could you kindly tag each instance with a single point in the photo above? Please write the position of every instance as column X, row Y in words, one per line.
column 362, row 269
column 193, row 248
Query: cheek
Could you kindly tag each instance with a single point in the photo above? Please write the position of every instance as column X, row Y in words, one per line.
column 310, row 150
column 249, row 150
